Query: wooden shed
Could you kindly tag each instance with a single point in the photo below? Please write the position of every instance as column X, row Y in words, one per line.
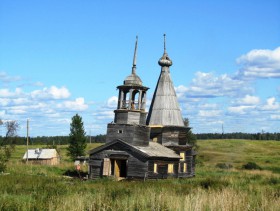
column 42, row 156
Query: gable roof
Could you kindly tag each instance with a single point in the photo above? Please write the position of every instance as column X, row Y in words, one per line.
column 41, row 154
column 153, row 150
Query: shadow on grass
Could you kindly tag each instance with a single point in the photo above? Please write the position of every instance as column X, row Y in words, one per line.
column 75, row 174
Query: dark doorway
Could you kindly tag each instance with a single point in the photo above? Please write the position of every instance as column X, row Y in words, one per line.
column 118, row 167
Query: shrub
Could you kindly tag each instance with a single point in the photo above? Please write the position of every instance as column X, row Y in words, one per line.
column 251, row 166
column 213, row 183
column 224, row 165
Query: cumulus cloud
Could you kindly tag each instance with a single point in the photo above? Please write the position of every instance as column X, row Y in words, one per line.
column 209, row 113
column 46, row 106
column 51, row 93
column 271, row 104
column 240, row 109
column 260, row 63
column 112, row 102
column 107, row 115
column 8, row 93
column 207, row 85
column 106, row 111
column 77, row 105
column 247, row 100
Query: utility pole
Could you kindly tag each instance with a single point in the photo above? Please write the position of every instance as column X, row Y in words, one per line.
column 89, row 136
column 222, row 131
column 27, row 127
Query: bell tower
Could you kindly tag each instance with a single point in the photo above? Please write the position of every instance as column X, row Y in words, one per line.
column 130, row 116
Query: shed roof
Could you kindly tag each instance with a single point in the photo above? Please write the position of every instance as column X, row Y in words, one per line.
column 157, row 150
column 40, row 154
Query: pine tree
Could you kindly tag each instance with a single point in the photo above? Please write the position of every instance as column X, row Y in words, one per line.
column 191, row 138
column 77, row 138
column 7, row 143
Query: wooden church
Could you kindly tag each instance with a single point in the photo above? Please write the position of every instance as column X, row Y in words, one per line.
column 140, row 146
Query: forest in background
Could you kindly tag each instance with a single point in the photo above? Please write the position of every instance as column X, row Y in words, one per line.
column 61, row 140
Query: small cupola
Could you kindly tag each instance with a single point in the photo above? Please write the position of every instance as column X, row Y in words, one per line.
column 165, row 61
column 132, row 97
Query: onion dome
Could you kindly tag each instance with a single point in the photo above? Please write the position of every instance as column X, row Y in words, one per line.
column 133, row 78
column 165, row 61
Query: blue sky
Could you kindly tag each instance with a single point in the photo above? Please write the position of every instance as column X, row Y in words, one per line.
column 59, row 58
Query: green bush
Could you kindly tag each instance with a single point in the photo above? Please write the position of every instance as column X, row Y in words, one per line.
column 224, row 165
column 251, row 166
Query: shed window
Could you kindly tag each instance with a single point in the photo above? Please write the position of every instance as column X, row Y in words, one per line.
column 155, row 168
column 185, row 167
column 170, row 168
column 182, row 155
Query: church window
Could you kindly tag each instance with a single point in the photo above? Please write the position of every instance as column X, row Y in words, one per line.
column 182, row 155
column 155, row 168
column 170, row 168
column 185, row 167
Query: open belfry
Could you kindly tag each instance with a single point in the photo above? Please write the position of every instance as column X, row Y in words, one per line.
column 141, row 146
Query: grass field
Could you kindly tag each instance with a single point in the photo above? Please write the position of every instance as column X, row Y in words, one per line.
column 30, row 187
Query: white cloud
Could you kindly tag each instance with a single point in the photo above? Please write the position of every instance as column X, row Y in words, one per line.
column 51, row 93
column 7, row 93
column 112, row 102
column 271, row 104
column 250, row 100
column 209, row 113
column 47, row 107
column 4, row 101
column 260, row 63
column 240, row 109
column 107, row 115
column 247, row 100
column 77, row 105
column 207, row 85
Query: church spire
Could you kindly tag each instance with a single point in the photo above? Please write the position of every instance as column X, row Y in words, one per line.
column 165, row 109
column 135, row 57
column 133, row 78
column 164, row 35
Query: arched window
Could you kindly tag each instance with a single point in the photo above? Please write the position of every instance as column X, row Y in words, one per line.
column 135, row 97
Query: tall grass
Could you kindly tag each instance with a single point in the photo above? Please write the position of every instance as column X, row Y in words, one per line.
column 31, row 187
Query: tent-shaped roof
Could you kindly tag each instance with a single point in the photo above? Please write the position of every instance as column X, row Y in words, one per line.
column 165, row 110
column 40, row 154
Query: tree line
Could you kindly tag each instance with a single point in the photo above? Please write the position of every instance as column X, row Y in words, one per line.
column 239, row 135
column 54, row 140
column 101, row 138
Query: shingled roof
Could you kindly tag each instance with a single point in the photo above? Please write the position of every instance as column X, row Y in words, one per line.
column 165, row 110
column 153, row 150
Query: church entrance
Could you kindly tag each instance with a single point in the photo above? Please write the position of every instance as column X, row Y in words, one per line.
column 119, row 168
